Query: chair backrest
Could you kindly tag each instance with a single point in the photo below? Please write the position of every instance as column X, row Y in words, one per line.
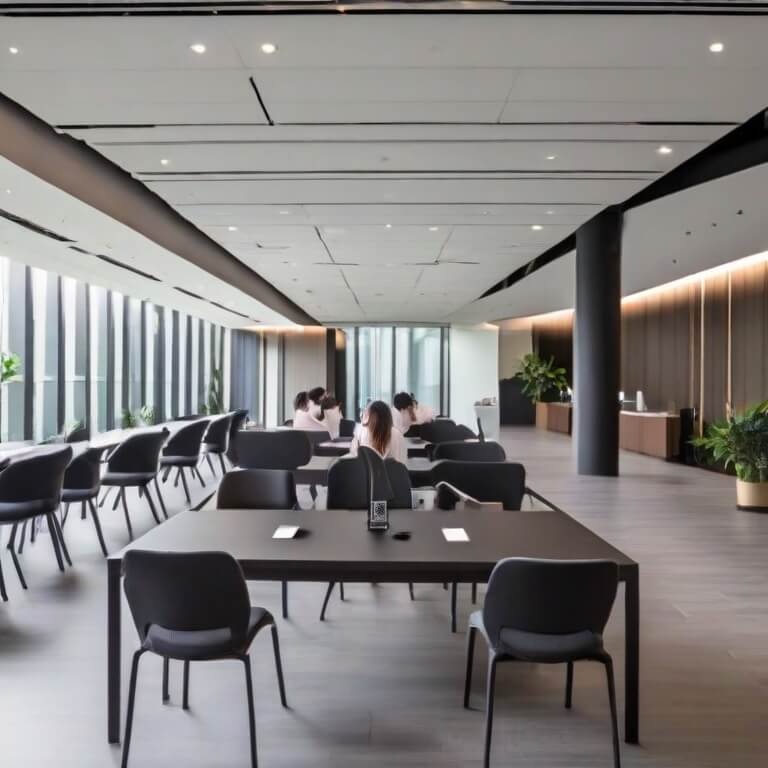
column 482, row 480
column 551, row 597
column 316, row 436
column 239, row 417
column 459, row 450
column 186, row 440
column 34, row 477
column 442, row 430
column 288, row 423
column 78, row 435
column 84, row 471
column 217, row 434
column 400, row 481
column 187, row 591
column 378, row 487
column 347, row 484
column 347, row 428
column 281, row 449
column 138, row 453
column 414, row 431
column 464, row 433
column 257, row 489
column 480, row 432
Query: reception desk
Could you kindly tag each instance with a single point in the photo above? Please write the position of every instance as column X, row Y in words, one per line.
column 556, row 417
column 651, row 433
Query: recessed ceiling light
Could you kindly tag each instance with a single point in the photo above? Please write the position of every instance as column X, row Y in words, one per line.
column 7, row 191
column 717, row 47
column 536, row 227
column 285, row 213
column 388, row 226
column 549, row 213
column 197, row 47
column 164, row 161
column 232, row 228
column 484, row 213
column 13, row 49
column 551, row 157
column 433, row 229
column 664, row 150
column 268, row 48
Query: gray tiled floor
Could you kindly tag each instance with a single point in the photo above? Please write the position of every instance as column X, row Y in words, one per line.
column 379, row 684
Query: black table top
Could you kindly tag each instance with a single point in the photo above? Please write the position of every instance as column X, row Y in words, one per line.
column 338, row 544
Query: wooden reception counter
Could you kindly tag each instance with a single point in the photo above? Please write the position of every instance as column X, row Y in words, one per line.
column 651, row 433
column 556, row 417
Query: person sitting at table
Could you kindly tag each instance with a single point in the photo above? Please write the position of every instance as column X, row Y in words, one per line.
column 378, row 433
column 330, row 415
column 403, row 412
column 316, row 395
column 423, row 413
column 302, row 417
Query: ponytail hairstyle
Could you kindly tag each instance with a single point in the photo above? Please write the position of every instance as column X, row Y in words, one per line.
column 380, row 425
column 301, row 402
column 326, row 404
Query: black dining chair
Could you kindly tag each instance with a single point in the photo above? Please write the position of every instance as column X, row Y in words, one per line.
column 239, row 419
column 30, row 487
column 193, row 607
column 135, row 464
column 280, row 449
column 82, row 483
column 182, row 451
column 460, row 450
column 480, row 431
column 78, row 435
column 216, row 441
column 317, row 436
column 347, row 428
column 259, row 489
column 546, row 612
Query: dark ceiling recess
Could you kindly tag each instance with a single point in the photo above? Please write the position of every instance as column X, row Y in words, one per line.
column 744, row 147
column 36, row 228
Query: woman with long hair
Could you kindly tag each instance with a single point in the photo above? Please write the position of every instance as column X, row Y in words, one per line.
column 302, row 416
column 377, row 432
column 330, row 415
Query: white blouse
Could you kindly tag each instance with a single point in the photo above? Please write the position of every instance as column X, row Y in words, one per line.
column 397, row 448
column 304, row 420
column 401, row 420
column 333, row 421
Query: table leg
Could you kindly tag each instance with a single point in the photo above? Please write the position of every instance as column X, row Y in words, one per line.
column 114, row 573
column 632, row 655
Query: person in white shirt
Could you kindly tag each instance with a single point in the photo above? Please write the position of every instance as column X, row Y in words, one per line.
column 316, row 395
column 331, row 415
column 378, row 433
column 403, row 412
column 302, row 418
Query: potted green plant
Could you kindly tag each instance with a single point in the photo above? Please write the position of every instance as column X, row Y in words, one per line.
column 741, row 443
column 540, row 376
column 10, row 367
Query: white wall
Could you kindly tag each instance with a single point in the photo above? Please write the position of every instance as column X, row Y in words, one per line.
column 474, row 369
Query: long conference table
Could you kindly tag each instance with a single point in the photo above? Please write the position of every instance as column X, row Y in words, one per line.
column 337, row 546
column 315, row 472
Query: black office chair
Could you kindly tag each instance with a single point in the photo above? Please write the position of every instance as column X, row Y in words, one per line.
column 30, row 487
column 347, row 428
column 484, row 481
column 288, row 423
column 79, row 435
column 444, row 430
column 547, row 612
column 82, row 483
column 216, row 441
column 193, row 607
column 459, row 450
column 281, row 449
column 134, row 464
column 317, row 436
column 259, row 489
column 239, row 418
column 182, row 451
column 480, row 431
column 414, row 431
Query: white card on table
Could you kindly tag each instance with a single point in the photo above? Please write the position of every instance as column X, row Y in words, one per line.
column 285, row 531
column 455, row 534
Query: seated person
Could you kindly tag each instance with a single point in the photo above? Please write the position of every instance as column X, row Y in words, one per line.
column 330, row 412
column 403, row 412
column 315, row 395
column 302, row 417
column 378, row 433
column 423, row 413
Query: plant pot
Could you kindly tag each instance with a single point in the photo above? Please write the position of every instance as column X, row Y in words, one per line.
column 542, row 412
column 752, row 496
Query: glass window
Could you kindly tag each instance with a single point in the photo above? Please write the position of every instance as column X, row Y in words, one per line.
column 182, row 368
column 75, row 352
column 164, row 365
column 117, row 340
column 98, row 298
column 418, row 364
column 45, row 303
column 375, row 365
column 194, row 388
column 150, row 335
column 134, row 320
column 13, row 282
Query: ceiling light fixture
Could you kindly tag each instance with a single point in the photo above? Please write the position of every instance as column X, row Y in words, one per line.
column 664, row 150
column 551, row 157
column 284, row 213
column 549, row 213
column 164, row 161
column 232, row 228
column 433, row 229
column 13, row 49
column 197, row 47
column 716, row 47
column 388, row 226
column 536, row 227
column 268, row 48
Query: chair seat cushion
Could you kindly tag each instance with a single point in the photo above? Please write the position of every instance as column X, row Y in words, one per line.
column 204, row 644
column 212, row 448
column 179, row 461
column 23, row 510
column 68, row 495
column 127, row 478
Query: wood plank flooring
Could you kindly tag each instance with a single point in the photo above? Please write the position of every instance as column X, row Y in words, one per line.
column 379, row 683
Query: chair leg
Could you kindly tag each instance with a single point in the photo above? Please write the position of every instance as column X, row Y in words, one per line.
column 60, row 535
column 166, row 670
column 410, row 590
column 23, row 535
column 151, row 503
column 196, row 471
column 210, row 464
column 278, row 666
column 454, row 592
column 120, row 492
column 251, row 711
column 474, row 593
column 14, row 557
column 185, row 694
column 65, row 515
column 131, row 704
column 83, row 513
column 489, row 694
column 3, row 593
column 32, row 530
column 284, row 590
column 97, row 526
column 614, row 718
column 166, row 473
column 327, row 598
column 105, row 496
column 569, row 685
column 223, row 465
column 55, row 540
column 470, row 660
column 161, row 499
column 184, row 484
column 121, row 495
column 341, row 591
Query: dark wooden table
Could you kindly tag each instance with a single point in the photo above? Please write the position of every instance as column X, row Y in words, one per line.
column 316, row 471
column 341, row 446
column 338, row 547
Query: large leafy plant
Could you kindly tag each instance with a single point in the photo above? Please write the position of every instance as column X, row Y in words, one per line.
column 10, row 367
column 540, row 376
column 740, row 442
column 215, row 403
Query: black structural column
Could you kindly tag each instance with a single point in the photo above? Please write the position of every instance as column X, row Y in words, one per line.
column 597, row 344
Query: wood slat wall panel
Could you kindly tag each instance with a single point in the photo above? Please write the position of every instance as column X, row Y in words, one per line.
column 715, row 347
